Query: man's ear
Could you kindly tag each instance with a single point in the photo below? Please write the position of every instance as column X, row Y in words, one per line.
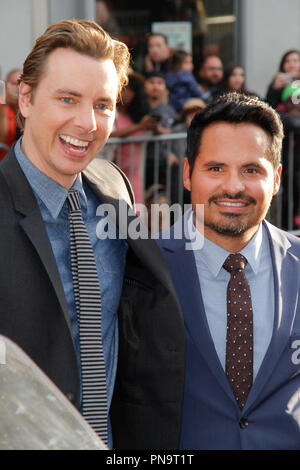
column 186, row 175
column 25, row 99
column 277, row 180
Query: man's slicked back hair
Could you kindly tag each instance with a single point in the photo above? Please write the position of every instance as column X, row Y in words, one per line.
column 83, row 36
column 236, row 108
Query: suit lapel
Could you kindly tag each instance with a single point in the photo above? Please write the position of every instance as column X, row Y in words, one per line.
column 145, row 249
column 32, row 224
column 34, row 227
column 286, row 269
column 182, row 265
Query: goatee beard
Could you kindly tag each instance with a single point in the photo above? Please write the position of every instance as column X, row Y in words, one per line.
column 229, row 230
column 235, row 228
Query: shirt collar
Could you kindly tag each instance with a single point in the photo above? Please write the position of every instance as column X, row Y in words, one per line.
column 214, row 255
column 51, row 193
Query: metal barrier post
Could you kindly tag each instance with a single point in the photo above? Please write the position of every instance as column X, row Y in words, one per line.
column 290, row 180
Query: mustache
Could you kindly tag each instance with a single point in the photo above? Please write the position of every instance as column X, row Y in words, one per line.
column 240, row 195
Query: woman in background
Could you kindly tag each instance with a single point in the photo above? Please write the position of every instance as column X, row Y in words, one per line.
column 235, row 79
column 289, row 70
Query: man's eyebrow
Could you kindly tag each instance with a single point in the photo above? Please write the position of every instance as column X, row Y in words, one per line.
column 214, row 163
column 66, row 91
column 105, row 99
column 252, row 164
column 245, row 165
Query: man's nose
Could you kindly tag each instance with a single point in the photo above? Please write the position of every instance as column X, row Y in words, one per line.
column 86, row 119
column 233, row 183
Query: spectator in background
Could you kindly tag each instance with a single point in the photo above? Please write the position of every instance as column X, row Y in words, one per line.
column 289, row 70
column 180, row 81
column 211, row 76
column 133, row 119
column 189, row 110
column 235, row 79
column 157, row 93
column 165, row 116
column 159, row 53
column 9, row 131
column 106, row 19
column 289, row 110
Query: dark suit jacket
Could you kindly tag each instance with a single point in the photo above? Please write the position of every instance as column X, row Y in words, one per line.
column 211, row 416
column 146, row 406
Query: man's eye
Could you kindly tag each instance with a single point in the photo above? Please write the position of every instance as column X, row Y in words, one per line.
column 102, row 106
column 251, row 171
column 66, row 99
column 215, row 169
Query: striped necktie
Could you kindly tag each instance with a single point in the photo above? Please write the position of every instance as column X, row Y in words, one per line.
column 88, row 307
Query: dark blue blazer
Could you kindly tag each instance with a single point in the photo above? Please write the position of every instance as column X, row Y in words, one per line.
column 211, row 418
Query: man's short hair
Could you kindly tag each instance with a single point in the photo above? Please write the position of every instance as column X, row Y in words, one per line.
column 151, row 35
column 236, row 108
column 83, row 36
column 207, row 57
column 155, row 74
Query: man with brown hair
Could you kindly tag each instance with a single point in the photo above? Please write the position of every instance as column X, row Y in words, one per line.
column 159, row 53
column 210, row 77
column 62, row 280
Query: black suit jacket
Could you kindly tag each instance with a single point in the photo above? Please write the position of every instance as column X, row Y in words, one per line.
column 146, row 406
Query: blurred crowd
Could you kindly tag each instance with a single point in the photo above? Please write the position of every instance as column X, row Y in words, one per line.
column 164, row 98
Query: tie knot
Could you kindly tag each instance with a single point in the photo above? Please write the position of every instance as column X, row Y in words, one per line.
column 234, row 262
column 73, row 200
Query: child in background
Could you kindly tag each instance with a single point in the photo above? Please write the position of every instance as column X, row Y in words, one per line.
column 180, row 81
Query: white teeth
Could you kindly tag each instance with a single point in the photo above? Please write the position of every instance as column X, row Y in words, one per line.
column 234, row 204
column 78, row 143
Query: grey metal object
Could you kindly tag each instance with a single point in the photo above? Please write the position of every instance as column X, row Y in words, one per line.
column 113, row 149
column 34, row 414
column 290, row 189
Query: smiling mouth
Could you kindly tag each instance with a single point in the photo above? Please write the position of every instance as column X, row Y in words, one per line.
column 232, row 208
column 232, row 204
column 74, row 145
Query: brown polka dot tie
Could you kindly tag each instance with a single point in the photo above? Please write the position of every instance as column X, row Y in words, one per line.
column 239, row 340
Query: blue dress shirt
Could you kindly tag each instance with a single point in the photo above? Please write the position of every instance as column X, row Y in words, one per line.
column 110, row 257
column 214, row 278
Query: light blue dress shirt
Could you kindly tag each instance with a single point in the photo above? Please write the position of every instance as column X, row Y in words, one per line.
column 110, row 257
column 214, row 279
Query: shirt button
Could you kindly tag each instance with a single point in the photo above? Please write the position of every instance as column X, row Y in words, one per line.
column 243, row 423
